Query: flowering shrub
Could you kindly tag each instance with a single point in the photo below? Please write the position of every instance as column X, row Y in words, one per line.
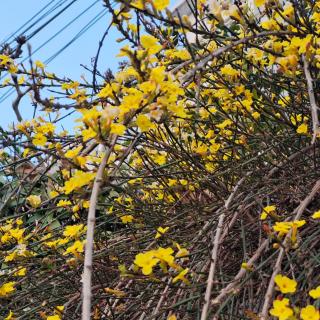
column 189, row 187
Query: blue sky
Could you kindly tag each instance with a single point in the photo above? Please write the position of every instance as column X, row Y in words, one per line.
column 17, row 12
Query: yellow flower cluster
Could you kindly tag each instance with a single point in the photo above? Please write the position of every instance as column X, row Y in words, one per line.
column 281, row 307
column 78, row 180
column 164, row 257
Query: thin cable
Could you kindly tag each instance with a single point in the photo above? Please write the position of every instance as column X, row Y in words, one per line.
column 7, row 38
column 57, row 33
column 6, row 95
column 50, row 20
column 63, row 28
column 88, row 26
column 57, row 5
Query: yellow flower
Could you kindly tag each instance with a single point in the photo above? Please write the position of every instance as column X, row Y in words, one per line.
column 53, row 194
column 146, row 261
column 59, row 309
column 144, row 123
column 4, row 59
column 55, row 243
column 270, row 24
column 302, row 129
column 73, row 231
column 244, row 265
column 72, row 153
column 309, row 313
column 165, row 255
column 86, row 204
column 9, row 316
column 224, row 124
column 182, row 252
column 160, row 159
column 266, row 211
column 315, row 293
column 39, row 64
column 181, row 276
column 34, row 201
column 88, row 134
column 21, row 272
column 259, row 3
column 55, row 317
column 288, row 10
column 7, row 288
column 150, row 43
column 117, row 128
column 184, row 182
column 138, row 4
column 13, row 68
column 127, row 218
column 161, row 4
column 172, row 317
column 281, row 310
column 64, row 203
column 316, row 215
column 17, row 234
column 285, row 284
column 285, row 227
column 76, row 248
column 47, row 128
column 161, row 231
column 78, row 180
column 39, row 139
column 228, row 71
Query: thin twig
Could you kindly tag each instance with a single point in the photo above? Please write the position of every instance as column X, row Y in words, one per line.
column 277, row 267
column 87, row 272
column 312, row 99
column 215, row 250
column 221, row 50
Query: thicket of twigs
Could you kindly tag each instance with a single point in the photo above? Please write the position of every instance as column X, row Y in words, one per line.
column 196, row 166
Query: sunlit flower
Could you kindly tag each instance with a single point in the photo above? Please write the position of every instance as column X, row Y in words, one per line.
column 281, row 309
column 285, row 284
column 309, row 313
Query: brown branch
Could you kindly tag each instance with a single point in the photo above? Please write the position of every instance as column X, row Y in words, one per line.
column 242, row 272
column 20, row 95
column 221, row 50
column 215, row 250
column 277, row 267
column 87, row 272
column 312, row 99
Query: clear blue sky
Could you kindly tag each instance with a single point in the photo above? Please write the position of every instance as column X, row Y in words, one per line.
column 16, row 12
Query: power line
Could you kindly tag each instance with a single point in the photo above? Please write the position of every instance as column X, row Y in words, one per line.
column 88, row 26
column 56, row 6
column 50, row 20
column 58, row 32
column 7, row 38
column 63, row 28
column 44, row 15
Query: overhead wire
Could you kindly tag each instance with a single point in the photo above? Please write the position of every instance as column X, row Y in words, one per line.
column 13, row 34
column 61, row 2
column 58, row 32
column 43, row 16
column 88, row 26
column 46, row 14
column 50, row 20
